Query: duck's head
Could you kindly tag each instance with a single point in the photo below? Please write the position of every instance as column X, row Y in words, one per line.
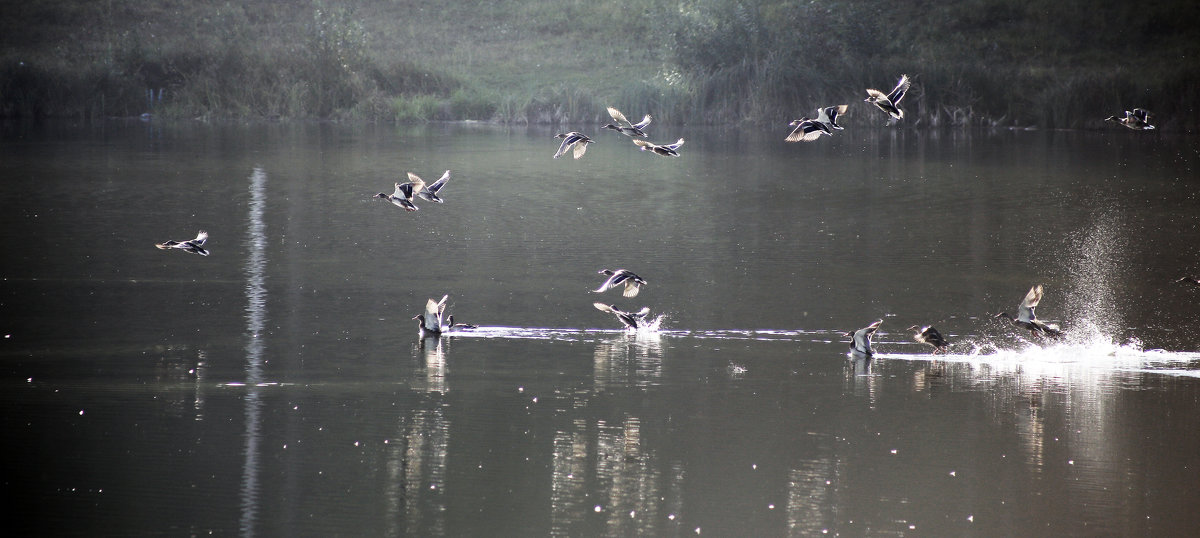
column 1004, row 315
column 611, row 126
column 420, row 320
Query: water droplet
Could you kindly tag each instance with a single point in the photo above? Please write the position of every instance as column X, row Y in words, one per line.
column 597, row 509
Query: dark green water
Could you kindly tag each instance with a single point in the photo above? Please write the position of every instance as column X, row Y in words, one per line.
column 278, row 386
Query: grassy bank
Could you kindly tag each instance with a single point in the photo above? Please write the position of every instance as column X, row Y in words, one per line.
column 981, row 62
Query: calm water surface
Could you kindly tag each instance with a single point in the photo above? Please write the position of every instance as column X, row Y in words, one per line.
column 278, row 386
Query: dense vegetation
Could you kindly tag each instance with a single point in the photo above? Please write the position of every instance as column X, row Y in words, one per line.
column 1068, row 63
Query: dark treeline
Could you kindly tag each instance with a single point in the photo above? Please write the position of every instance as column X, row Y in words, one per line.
column 1062, row 64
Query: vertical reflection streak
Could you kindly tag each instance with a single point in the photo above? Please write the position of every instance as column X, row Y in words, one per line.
column 256, row 313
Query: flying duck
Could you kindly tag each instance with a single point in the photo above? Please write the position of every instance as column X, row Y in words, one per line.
column 1026, row 318
column 431, row 323
column 633, row 283
column 931, row 336
column 807, row 130
column 666, row 150
column 890, row 103
column 829, row 115
column 629, row 128
column 570, row 139
column 430, row 192
column 631, row 320
column 195, row 246
column 1137, row 119
column 860, row 340
column 1188, row 279
column 403, row 197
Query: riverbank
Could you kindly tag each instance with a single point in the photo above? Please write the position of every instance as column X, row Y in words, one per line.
column 998, row 64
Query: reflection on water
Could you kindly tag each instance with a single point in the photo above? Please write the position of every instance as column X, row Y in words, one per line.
column 422, row 466
column 256, row 317
column 631, row 359
column 605, row 482
column 431, row 350
column 560, row 428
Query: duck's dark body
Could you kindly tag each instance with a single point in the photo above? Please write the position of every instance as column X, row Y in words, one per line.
column 931, row 336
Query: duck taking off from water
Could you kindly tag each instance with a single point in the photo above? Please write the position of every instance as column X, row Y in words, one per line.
column 633, row 283
column 403, row 197
column 1137, row 119
column 430, row 192
column 860, row 340
column 890, row 103
column 666, row 150
column 631, row 320
column 195, row 246
column 572, row 139
column 624, row 126
column 431, row 323
column 931, row 336
column 1026, row 319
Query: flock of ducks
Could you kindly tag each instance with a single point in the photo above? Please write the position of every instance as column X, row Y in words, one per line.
column 434, row 322
column 860, row 340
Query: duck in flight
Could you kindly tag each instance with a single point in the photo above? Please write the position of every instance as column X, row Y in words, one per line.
column 633, row 283
column 430, row 191
column 624, row 126
column 631, row 320
column 931, row 336
column 890, row 103
column 829, row 115
column 1187, row 279
column 666, row 150
column 1026, row 319
column 572, row 140
column 806, row 130
column 195, row 246
column 403, row 197
column 860, row 340
column 1137, row 119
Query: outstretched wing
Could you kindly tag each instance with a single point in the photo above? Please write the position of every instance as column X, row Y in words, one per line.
column 441, row 182
column 806, row 131
column 674, row 146
column 617, row 116
column 616, row 278
column 433, row 313
column 632, row 287
column 581, row 147
column 562, row 148
column 642, row 124
column 201, row 237
column 1031, row 300
column 901, row 88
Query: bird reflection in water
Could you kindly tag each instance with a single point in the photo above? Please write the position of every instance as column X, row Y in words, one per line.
column 631, row 359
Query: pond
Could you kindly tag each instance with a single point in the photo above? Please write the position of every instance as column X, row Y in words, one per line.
column 278, row 386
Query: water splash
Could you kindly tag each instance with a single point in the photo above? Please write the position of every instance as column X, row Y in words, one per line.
column 1099, row 256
